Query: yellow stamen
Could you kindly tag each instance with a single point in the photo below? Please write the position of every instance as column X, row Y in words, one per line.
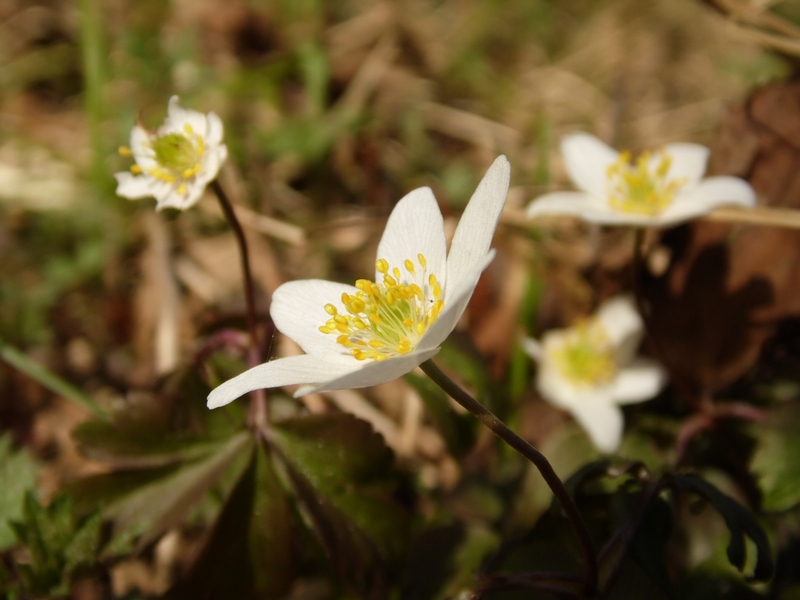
column 642, row 187
column 586, row 357
column 389, row 318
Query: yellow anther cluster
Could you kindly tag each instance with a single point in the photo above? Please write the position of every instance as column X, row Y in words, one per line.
column 586, row 357
column 638, row 187
column 178, row 157
column 389, row 318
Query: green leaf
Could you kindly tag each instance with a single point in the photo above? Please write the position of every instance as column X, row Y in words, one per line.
column 648, row 549
column 134, row 443
column 48, row 379
column 250, row 547
column 84, row 546
column 313, row 62
column 739, row 521
column 57, row 545
column 775, row 461
column 18, row 472
column 340, row 470
column 159, row 505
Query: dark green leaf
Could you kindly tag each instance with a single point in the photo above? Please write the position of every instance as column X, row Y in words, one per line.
column 18, row 472
column 739, row 521
column 164, row 502
column 775, row 460
column 136, row 444
column 57, row 545
column 340, row 470
column 648, row 549
column 84, row 546
column 250, row 547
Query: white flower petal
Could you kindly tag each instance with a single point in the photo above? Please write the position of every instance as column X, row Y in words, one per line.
column 456, row 299
column 372, row 372
column 560, row 392
column 298, row 310
column 140, row 141
column 533, row 349
column 640, row 381
column 291, row 370
column 415, row 227
column 214, row 131
column 211, row 164
column 603, row 422
column 713, row 192
column 132, row 186
column 688, row 162
column 222, row 154
column 567, row 203
column 475, row 230
column 178, row 117
column 624, row 326
column 172, row 199
column 587, row 159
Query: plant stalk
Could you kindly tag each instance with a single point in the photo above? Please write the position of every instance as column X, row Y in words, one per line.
column 538, row 459
column 258, row 399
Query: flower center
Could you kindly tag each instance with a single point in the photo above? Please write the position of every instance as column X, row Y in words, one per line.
column 642, row 187
column 387, row 319
column 178, row 156
column 586, row 357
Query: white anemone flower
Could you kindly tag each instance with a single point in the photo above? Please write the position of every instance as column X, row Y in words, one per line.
column 659, row 189
column 176, row 162
column 376, row 331
column 591, row 369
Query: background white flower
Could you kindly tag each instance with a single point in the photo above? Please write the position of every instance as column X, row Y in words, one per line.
column 659, row 189
column 591, row 368
column 377, row 331
column 176, row 162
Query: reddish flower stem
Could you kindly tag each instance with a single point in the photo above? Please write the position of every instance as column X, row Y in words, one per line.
column 538, row 459
column 258, row 399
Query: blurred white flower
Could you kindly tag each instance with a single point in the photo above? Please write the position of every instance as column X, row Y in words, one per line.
column 591, row 368
column 657, row 190
column 176, row 162
column 373, row 332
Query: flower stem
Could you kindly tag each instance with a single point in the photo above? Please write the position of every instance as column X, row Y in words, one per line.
column 258, row 400
column 538, row 459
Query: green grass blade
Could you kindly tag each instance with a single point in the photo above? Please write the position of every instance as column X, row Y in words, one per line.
column 48, row 379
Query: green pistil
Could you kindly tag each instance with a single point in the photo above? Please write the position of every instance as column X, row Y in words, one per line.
column 175, row 152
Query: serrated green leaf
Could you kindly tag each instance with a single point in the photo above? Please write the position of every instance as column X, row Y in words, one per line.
column 18, row 472
column 57, row 545
column 250, row 547
column 83, row 548
column 271, row 532
column 740, row 523
column 775, row 461
column 340, row 470
column 132, row 444
column 164, row 502
column 106, row 488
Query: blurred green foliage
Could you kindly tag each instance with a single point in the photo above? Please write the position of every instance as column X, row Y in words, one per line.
column 321, row 500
